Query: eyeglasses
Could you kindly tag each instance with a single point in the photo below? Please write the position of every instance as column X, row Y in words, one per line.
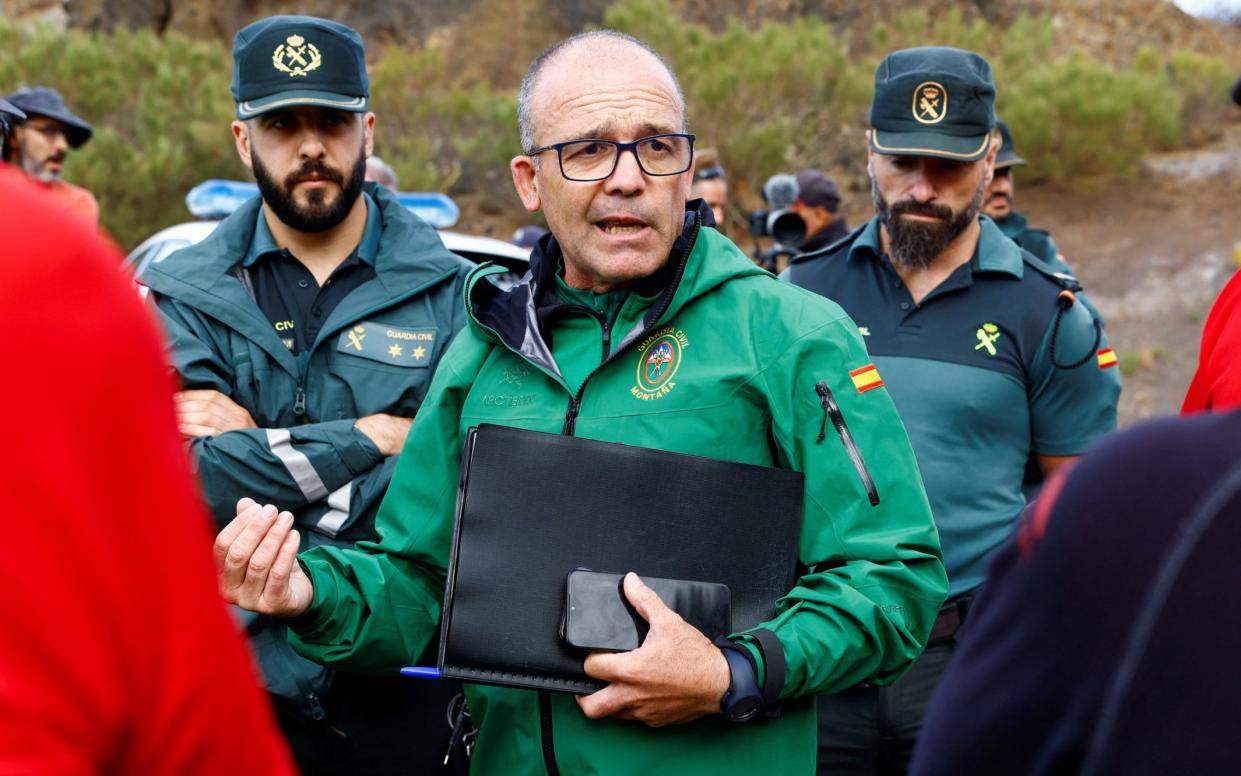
column 596, row 160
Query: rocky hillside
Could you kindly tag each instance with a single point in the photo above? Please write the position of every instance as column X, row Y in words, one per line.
column 1113, row 28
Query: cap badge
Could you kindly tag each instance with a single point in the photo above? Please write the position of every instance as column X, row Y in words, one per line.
column 930, row 103
column 296, row 57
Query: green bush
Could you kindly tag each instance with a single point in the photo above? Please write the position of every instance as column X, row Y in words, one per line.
column 778, row 97
column 161, row 111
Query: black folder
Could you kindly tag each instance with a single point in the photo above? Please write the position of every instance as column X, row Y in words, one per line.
column 532, row 507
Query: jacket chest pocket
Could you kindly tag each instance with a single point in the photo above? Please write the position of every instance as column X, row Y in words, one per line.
column 397, row 387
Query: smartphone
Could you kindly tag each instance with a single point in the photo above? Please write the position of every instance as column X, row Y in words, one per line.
column 598, row 617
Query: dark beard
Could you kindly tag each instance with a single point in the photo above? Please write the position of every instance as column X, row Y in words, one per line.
column 316, row 216
column 915, row 245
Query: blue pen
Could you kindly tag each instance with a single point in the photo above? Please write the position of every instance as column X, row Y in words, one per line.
column 422, row 672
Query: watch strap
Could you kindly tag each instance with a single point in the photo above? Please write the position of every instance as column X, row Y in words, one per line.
column 776, row 668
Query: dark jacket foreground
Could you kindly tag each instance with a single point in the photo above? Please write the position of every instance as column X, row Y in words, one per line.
column 1105, row 639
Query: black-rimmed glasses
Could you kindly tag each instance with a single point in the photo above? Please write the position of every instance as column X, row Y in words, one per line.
column 594, row 160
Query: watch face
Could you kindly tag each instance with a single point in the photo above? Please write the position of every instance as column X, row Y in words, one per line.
column 745, row 709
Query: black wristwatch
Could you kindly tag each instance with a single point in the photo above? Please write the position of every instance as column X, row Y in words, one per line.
column 743, row 700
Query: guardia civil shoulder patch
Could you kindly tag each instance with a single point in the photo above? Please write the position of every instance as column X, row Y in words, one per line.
column 866, row 378
column 659, row 358
column 1107, row 358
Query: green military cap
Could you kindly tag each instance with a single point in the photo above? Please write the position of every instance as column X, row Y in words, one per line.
column 291, row 61
column 933, row 101
column 1007, row 157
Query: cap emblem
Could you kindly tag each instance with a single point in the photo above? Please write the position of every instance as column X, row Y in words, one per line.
column 296, row 57
column 930, row 103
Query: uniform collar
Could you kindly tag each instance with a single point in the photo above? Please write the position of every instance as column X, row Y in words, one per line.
column 1013, row 224
column 263, row 244
column 994, row 252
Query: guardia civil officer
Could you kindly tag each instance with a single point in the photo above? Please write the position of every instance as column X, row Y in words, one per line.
column 998, row 204
column 988, row 357
column 305, row 331
column 628, row 276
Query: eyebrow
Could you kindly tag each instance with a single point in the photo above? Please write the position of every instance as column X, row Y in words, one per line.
column 601, row 131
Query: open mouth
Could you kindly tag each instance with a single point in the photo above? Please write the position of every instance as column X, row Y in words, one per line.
column 620, row 227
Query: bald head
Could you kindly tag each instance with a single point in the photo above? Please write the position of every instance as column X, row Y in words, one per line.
column 575, row 57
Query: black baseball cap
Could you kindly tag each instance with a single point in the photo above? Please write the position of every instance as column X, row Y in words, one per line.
column 293, row 61
column 42, row 101
column 1007, row 157
column 817, row 190
column 933, row 101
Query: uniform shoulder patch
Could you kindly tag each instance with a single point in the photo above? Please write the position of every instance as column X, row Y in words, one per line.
column 866, row 378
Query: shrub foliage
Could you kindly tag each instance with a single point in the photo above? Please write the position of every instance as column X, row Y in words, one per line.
column 774, row 98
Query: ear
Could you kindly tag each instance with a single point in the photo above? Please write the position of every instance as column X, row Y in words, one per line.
column 241, row 137
column 990, row 157
column 368, row 128
column 870, row 157
column 525, row 181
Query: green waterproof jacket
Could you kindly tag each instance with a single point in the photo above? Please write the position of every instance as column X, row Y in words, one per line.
column 713, row 357
column 306, row 454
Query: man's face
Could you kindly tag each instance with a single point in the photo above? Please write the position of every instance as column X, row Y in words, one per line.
column 309, row 163
column 999, row 200
column 621, row 229
column 713, row 191
column 925, row 202
column 39, row 145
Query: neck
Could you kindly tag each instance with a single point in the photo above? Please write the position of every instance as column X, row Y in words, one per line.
column 922, row 280
column 321, row 252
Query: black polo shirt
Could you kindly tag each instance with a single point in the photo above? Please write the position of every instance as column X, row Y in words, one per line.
column 287, row 292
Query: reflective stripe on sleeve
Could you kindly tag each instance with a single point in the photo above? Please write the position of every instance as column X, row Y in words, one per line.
column 298, row 465
column 338, row 510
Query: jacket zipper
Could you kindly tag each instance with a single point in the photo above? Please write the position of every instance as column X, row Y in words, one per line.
column 575, row 402
column 545, row 727
column 832, row 410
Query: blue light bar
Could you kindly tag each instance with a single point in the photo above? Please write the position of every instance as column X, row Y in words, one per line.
column 438, row 210
column 218, row 198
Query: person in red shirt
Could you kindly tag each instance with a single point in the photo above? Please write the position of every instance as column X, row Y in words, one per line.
column 40, row 142
column 1217, row 383
column 102, row 671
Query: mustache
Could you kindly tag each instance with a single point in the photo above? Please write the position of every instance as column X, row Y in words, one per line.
column 314, row 167
column 921, row 209
column 998, row 195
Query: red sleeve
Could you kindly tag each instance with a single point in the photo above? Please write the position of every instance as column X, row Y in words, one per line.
column 1217, row 384
column 118, row 655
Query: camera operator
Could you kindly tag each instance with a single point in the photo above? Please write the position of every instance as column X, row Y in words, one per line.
column 818, row 200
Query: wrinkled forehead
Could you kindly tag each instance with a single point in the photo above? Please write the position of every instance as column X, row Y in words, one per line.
column 606, row 90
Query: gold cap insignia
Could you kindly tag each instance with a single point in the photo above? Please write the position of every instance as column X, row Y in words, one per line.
column 930, row 103
column 296, row 57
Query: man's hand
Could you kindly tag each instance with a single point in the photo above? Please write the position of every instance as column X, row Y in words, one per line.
column 388, row 432
column 204, row 413
column 676, row 676
column 256, row 558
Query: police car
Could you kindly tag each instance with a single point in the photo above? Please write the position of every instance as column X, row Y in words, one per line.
column 212, row 200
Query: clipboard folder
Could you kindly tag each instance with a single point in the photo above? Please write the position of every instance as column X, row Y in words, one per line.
column 532, row 507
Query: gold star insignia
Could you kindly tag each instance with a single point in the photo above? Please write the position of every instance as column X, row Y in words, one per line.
column 394, row 350
column 419, row 353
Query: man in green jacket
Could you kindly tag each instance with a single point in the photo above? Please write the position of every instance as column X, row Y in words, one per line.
column 749, row 370
column 305, row 330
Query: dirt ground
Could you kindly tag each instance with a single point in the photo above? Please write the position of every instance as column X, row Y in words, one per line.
column 1153, row 253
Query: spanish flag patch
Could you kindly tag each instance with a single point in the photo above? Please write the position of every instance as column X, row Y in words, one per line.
column 866, row 378
column 1107, row 357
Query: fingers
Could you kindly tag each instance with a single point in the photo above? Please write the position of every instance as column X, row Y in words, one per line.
column 277, row 589
column 236, row 544
column 610, row 701
column 263, row 558
column 605, row 666
column 244, row 503
column 645, row 600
